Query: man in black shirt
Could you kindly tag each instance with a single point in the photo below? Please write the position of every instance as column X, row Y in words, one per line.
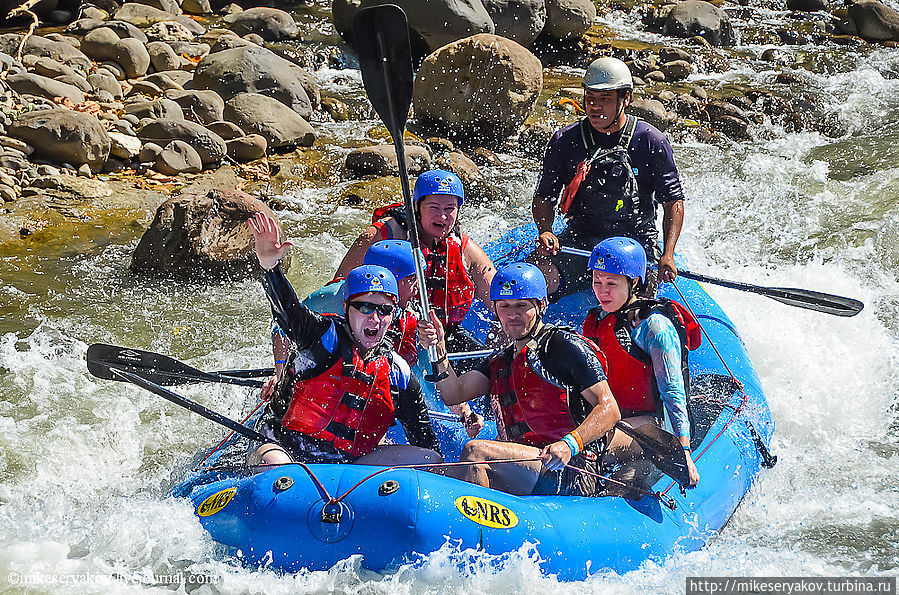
column 553, row 411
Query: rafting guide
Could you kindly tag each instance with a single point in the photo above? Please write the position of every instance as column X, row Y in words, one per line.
column 611, row 170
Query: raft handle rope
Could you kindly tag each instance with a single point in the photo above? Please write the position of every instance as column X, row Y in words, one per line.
column 768, row 460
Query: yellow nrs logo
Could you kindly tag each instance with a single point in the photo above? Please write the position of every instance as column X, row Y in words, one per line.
column 215, row 502
column 487, row 513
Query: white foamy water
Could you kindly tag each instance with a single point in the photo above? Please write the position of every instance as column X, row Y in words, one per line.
column 85, row 464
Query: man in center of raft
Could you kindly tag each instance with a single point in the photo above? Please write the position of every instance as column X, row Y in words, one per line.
column 611, row 170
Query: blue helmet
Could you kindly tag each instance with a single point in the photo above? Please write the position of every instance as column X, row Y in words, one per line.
column 620, row 256
column 395, row 255
column 370, row 278
column 438, row 181
column 518, row 281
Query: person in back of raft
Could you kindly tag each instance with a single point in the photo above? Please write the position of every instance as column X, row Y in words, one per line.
column 549, row 390
column 644, row 341
column 612, row 170
column 346, row 384
column 457, row 268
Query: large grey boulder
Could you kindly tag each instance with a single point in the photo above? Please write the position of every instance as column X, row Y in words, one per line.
column 156, row 109
column 35, row 84
column 169, row 6
column 62, row 135
column 279, row 125
column 141, row 15
column 162, row 56
column 129, row 53
column 438, row 22
column 381, row 160
column 210, row 146
column 36, row 45
column 875, row 21
column 203, row 107
column 519, row 20
column 84, row 26
column 102, row 80
column 481, row 88
column 697, row 17
column 254, row 69
column 178, row 157
column 271, row 24
column 569, row 19
column 247, row 148
column 201, row 234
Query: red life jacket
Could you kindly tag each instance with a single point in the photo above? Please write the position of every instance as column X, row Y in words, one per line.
column 532, row 410
column 631, row 378
column 404, row 333
column 350, row 405
column 450, row 288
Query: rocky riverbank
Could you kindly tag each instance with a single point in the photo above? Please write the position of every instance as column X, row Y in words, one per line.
column 121, row 108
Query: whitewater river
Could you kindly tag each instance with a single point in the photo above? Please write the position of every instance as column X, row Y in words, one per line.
column 85, row 464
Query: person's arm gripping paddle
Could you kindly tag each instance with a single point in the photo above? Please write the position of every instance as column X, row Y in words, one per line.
column 453, row 389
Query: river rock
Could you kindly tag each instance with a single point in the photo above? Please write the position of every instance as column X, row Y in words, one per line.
column 35, row 84
column 875, row 21
column 438, row 22
column 168, row 31
column 253, row 69
column 62, row 135
column 697, row 17
column 482, row 88
column 162, row 56
column 123, row 29
column 76, row 80
column 36, row 45
column 178, row 157
column 196, row 6
column 156, row 109
column 651, row 110
column 807, row 5
column 202, row 107
column 477, row 187
column 269, row 118
column 210, row 146
column 124, row 146
column 271, row 24
column 381, row 160
column 162, row 81
column 676, row 70
column 518, row 20
column 247, row 148
column 226, row 130
column 569, row 19
column 169, row 6
column 102, row 80
column 149, row 152
column 144, row 16
column 49, row 67
column 201, row 234
column 104, row 44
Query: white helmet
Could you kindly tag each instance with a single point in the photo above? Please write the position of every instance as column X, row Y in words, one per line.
column 608, row 74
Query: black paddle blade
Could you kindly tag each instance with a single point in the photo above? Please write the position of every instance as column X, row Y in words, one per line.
column 381, row 35
column 662, row 448
column 155, row 367
column 801, row 298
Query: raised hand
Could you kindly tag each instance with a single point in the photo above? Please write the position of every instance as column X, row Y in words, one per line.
column 269, row 249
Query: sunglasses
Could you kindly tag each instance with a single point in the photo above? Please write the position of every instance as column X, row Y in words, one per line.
column 368, row 307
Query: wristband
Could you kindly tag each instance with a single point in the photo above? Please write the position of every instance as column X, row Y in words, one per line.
column 687, row 448
column 577, row 437
column 572, row 444
column 280, row 361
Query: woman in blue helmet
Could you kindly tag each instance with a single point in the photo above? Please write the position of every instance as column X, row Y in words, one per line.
column 457, row 268
column 548, row 389
column 346, row 384
column 645, row 341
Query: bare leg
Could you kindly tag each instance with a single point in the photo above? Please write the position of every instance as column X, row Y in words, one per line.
column 514, row 478
column 269, row 454
column 388, row 455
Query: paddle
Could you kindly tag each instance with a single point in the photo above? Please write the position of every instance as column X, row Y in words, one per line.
column 662, row 448
column 102, row 369
column 160, row 369
column 381, row 36
column 801, row 298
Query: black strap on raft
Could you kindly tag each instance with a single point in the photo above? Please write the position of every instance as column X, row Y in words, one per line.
column 768, row 459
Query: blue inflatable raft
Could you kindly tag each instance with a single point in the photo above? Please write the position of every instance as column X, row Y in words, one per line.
column 295, row 517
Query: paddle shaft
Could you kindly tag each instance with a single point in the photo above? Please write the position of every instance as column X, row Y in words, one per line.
column 371, row 21
column 800, row 298
column 191, row 405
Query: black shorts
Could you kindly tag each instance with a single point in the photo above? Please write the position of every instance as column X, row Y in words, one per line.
column 300, row 447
